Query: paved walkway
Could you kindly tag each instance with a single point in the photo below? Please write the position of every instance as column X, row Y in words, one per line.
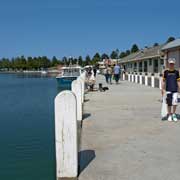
column 123, row 137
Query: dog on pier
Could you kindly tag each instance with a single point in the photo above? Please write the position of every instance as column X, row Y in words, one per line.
column 102, row 89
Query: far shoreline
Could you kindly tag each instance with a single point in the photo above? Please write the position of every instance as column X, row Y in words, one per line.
column 51, row 73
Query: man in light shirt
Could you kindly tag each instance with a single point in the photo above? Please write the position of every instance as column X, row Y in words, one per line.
column 117, row 71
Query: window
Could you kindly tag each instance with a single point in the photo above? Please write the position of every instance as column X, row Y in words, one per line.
column 156, row 67
column 135, row 66
column 150, row 62
column 140, row 67
column 145, row 66
column 162, row 61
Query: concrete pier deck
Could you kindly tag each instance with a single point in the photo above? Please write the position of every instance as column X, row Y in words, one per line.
column 123, row 137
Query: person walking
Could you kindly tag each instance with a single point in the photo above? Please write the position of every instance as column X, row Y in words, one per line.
column 117, row 72
column 106, row 74
column 170, row 85
column 94, row 71
column 109, row 71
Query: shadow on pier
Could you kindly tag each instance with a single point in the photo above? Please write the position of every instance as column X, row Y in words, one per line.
column 86, row 115
column 85, row 158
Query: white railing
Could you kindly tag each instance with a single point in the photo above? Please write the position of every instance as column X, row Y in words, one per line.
column 147, row 80
column 68, row 112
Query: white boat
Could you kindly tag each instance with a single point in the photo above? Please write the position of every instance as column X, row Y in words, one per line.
column 44, row 72
column 67, row 75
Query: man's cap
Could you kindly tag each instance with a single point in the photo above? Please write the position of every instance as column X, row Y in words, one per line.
column 171, row 60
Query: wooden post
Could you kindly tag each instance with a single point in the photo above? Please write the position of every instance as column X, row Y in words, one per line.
column 76, row 87
column 66, row 135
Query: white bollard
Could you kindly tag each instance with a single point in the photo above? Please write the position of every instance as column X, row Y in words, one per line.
column 136, row 78
column 66, row 135
column 129, row 77
column 140, row 79
column 123, row 76
column 152, row 81
column 83, row 75
column 82, row 87
column 160, row 82
column 76, row 87
column 132, row 77
column 146, row 80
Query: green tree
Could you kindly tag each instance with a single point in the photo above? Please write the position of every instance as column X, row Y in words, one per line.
column 74, row 61
column 87, row 60
column 45, row 62
column 134, row 48
column 128, row 52
column 115, row 54
column 80, row 61
column 5, row 64
column 96, row 58
column 22, row 63
column 104, row 56
column 122, row 55
column 54, row 61
column 64, row 60
column 155, row 44
column 30, row 63
column 170, row 39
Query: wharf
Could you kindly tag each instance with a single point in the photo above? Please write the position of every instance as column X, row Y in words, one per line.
column 124, row 138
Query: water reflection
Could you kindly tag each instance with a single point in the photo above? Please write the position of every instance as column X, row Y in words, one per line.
column 35, row 75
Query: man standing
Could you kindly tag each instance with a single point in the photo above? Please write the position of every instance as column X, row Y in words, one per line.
column 170, row 84
column 95, row 71
column 117, row 72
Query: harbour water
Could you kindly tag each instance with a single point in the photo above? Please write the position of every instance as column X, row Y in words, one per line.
column 27, row 127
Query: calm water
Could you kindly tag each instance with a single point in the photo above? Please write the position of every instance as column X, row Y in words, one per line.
column 27, row 128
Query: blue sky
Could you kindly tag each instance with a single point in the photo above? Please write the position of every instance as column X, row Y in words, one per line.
column 81, row 27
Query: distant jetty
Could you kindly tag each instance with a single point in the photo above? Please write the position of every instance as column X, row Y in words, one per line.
column 43, row 72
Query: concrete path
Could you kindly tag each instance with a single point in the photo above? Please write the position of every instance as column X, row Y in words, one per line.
column 123, row 137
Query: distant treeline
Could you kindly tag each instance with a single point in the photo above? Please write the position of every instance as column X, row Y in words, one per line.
column 38, row 63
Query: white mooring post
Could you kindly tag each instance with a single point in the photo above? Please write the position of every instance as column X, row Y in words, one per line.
column 146, row 80
column 136, row 78
column 83, row 75
column 129, row 77
column 140, row 79
column 123, row 76
column 152, row 81
column 76, row 87
column 81, row 80
column 66, row 135
column 132, row 77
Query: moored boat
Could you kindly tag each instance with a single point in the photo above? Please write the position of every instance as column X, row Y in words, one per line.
column 67, row 75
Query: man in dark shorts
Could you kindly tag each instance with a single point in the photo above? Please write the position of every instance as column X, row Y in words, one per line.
column 117, row 72
column 170, row 84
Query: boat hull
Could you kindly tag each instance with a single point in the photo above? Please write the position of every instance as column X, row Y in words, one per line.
column 65, row 81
